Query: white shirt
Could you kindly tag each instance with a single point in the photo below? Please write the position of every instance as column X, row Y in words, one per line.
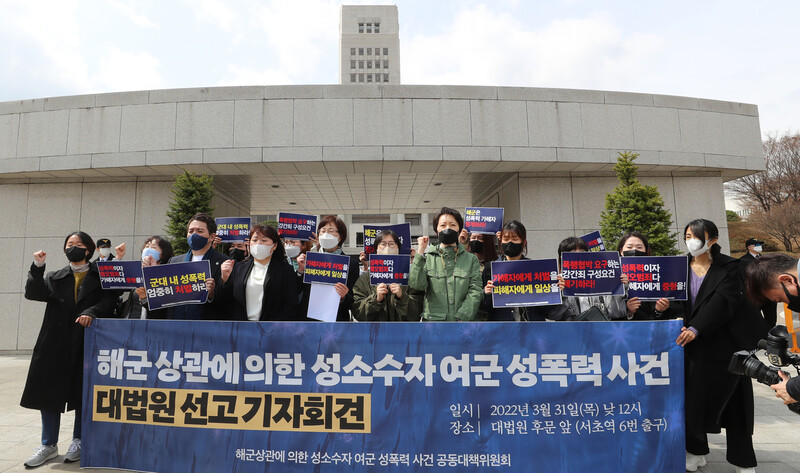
column 254, row 290
column 197, row 257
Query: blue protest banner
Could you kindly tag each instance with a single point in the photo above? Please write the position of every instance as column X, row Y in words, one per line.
column 652, row 277
column 594, row 241
column 120, row 274
column 178, row 396
column 591, row 273
column 177, row 283
column 389, row 269
column 486, row 220
column 525, row 282
column 326, row 268
column 233, row 229
column 403, row 231
column 296, row 226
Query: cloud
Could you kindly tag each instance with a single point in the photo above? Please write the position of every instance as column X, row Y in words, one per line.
column 126, row 70
column 242, row 75
column 481, row 47
column 216, row 12
column 139, row 19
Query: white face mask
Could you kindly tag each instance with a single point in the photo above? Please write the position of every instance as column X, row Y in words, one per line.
column 328, row 241
column 292, row 251
column 261, row 251
column 696, row 247
column 758, row 249
column 388, row 251
column 104, row 252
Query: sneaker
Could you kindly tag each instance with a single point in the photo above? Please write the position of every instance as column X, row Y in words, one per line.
column 694, row 461
column 42, row 454
column 745, row 470
column 74, row 452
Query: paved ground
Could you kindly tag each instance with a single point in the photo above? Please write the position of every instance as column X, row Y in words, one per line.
column 777, row 431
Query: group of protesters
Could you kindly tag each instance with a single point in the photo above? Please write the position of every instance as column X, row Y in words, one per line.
column 262, row 280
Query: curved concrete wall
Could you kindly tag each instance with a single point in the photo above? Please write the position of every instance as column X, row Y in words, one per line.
column 517, row 129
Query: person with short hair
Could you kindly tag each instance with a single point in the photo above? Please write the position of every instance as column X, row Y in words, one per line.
column 104, row 250
column 331, row 235
column 514, row 246
column 74, row 299
column 200, row 233
column 447, row 273
column 385, row 302
column 262, row 288
column 774, row 278
column 769, row 309
column 155, row 250
column 636, row 244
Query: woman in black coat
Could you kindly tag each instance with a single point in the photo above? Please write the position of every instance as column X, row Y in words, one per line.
column 262, row 287
column 719, row 322
column 74, row 297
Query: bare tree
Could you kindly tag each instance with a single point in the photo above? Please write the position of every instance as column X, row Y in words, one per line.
column 773, row 195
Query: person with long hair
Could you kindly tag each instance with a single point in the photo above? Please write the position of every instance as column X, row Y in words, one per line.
column 262, row 288
column 514, row 246
column 156, row 250
column 74, row 298
column 636, row 244
column 385, row 302
column 719, row 321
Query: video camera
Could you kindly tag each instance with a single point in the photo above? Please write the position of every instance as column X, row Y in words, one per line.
column 777, row 348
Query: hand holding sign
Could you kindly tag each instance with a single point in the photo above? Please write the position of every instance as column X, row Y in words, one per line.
column 489, row 287
column 380, row 292
column 463, row 237
column 39, row 256
column 84, row 320
column 341, row 289
column 396, row 289
column 301, row 263
column 210, row 287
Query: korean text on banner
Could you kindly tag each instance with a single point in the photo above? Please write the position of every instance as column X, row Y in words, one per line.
column 120, row 274
column 525, row 283
column 486, row 220
column 176, row 284
column 591, row 274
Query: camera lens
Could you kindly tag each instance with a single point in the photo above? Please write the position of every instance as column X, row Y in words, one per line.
column 760, row 372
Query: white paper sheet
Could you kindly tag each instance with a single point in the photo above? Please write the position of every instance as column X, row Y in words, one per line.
column 323, row 303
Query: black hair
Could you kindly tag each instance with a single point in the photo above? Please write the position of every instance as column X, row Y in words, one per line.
column 761, row 274
column 87, row 241
column 489, row 251
column 571, row 244
column 699, row 229
column 211, row 224
column 166, row 248
column 383, row 234
column 516, row 227
column 634, row 234
column 337, row 222
column 448, row 211
column 279, row 252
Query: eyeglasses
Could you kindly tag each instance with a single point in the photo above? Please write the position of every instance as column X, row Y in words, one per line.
column 329, row 231
column 387, row 244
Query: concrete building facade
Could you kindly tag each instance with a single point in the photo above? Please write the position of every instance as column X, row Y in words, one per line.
column 369, row 44
column 104, row 163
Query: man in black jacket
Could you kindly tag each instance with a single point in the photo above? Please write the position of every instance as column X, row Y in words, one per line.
column 774, row 278
column 200, row 233
column 769, row 310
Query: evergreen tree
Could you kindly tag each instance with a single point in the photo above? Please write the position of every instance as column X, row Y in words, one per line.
column 636, row 207
column 190, row 194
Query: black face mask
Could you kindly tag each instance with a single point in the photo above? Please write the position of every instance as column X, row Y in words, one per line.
column 237, row 254
column 475, row 246
column 634, row 253
column 448, row 237
column 794, row 301
column 512, row 250
column 76, row 254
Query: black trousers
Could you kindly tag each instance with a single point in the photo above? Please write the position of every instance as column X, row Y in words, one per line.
column 738, row 436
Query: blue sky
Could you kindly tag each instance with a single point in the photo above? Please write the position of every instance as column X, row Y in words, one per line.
column 728, row 50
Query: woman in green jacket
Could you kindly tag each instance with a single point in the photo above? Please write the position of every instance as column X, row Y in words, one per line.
column 385, row 302
column 449, row 275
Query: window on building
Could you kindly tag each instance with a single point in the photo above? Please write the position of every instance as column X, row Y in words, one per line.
column 386, row 64
column 361, row 77
column 377, row 27
column 369, row 64
column 414, row 219
column 359, row 238
column 369, row 77
column 360, row 51
column 352, row 77
column 372, row 218
column 352, row 51
column 369, row 51
column 386, row 77
column 361, row 27
column 377, row 51
column 352, row 64
column 385, row 51
column 361, row 64
column 369, row 27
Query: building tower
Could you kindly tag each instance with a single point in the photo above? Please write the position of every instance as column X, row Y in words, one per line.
column 369, row 44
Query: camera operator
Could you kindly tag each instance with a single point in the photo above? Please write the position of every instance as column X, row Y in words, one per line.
column 773, row 277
